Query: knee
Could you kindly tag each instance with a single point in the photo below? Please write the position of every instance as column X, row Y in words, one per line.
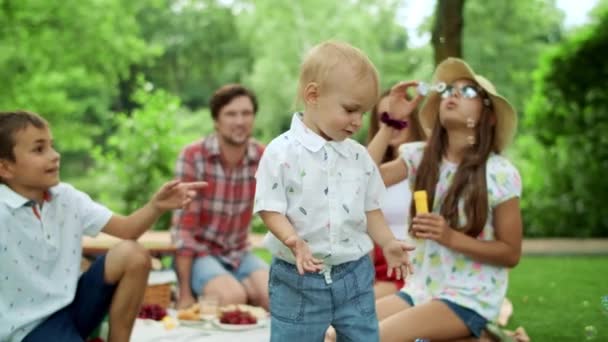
column 228, row 290
column 135, row 256
column 256, row 287
column 235, row 295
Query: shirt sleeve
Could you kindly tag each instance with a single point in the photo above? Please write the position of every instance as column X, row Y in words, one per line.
column 270, row 194
column 504, row 181
column 185, row 221
column 92, row 215
column 411, row 153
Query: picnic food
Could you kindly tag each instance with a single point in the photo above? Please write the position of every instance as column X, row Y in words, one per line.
column 255, row 311
column 237, row 317
column 190, row 314
column 152, row 311
column 420, row 200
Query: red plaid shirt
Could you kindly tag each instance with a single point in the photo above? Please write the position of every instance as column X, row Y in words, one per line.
column 217, row 221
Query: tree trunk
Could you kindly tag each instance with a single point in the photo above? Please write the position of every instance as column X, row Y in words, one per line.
column 447, row 29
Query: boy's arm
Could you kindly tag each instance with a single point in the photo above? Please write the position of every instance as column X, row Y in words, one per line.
column 278, row 224
column 377, row 228
column 171, row 195
column 395, row 251
column 283, row 230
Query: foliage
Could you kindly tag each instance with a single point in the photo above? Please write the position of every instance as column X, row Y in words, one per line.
column 140, row 156
column 568, row 115
column 202, row 48
column 279, row 33
column 504, row 39
column 64, row 60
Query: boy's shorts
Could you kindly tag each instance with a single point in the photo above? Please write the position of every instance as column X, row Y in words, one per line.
column 77, row 321
column 206, row 268
column 474, row 321
column 302, row 307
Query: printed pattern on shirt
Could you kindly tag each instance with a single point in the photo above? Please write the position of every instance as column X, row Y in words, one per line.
column 324, row 188
column 443, row 273
column 41, row 254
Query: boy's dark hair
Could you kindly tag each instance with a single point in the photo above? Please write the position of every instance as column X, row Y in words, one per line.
column 13, row 122
column 227, row 93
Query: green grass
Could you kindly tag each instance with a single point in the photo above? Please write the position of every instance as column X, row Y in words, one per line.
column 556, row 298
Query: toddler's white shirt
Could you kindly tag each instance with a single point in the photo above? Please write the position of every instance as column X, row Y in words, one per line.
column 324, row 188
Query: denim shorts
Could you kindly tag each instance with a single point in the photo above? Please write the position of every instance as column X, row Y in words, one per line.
column 77, row 321
column 206, row 268
column 302, row 307
column 474, row 321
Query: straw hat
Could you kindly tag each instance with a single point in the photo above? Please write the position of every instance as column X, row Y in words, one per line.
column 453, row 69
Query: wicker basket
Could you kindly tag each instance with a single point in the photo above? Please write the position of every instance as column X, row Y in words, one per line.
column 158, row 294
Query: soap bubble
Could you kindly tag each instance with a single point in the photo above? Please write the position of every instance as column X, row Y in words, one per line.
column 605, row 304
column 422, row 88
column 590, row 332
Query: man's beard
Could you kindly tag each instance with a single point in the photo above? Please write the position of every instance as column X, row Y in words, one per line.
column 236, row 143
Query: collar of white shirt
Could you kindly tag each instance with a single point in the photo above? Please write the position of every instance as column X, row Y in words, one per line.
column 15, row 200
column 312, row 141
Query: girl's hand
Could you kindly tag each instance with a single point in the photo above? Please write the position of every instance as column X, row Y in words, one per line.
column 305, row 262
column 433, row 227
column 399, row 107
column 397, row 259
column 175, row 194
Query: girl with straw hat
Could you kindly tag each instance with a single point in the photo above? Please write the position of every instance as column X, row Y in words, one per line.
column 472, row 235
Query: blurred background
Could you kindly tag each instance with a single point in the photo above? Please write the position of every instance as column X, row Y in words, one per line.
column 125, row 84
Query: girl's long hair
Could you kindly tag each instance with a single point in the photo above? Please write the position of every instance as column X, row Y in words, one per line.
column 469, row 182
column 415, row 131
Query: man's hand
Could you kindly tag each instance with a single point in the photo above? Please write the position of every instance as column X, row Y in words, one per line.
column 305, row 262
column 397, row 259
column 433, row 227
column 400, row 107
column 175, row 194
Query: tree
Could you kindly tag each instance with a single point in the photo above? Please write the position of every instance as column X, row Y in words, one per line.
column 201, row 48
column 447, row 29
column 64, row 60
column 280, row 32
column 568, row 116
column 503, row 41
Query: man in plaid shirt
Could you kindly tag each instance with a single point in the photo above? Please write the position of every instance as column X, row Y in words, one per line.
column 213, row 256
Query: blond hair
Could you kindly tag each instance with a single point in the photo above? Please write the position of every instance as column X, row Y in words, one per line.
column 327, row 58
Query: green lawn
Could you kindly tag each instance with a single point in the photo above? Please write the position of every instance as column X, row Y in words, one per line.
column 557, row 298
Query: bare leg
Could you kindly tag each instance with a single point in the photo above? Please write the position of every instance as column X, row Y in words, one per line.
column 390, row 305
column 227, row 288
column 384, row 288
column 256, row 287
column 127, row 265
column 422, row 322
column 183, row 267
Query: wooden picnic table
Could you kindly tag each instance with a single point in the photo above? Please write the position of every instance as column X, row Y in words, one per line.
column 157, row 242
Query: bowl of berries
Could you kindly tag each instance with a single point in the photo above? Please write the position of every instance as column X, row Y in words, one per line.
column 237, row 319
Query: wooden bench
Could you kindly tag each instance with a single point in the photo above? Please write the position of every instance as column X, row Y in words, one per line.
column 157, row 242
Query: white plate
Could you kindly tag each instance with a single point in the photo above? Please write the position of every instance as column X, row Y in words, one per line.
column 239, row 327
column 189, row 322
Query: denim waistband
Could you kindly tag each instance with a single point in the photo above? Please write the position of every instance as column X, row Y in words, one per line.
column 329, row 272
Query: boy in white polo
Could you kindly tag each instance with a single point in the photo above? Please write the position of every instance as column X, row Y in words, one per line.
column 42, row 295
